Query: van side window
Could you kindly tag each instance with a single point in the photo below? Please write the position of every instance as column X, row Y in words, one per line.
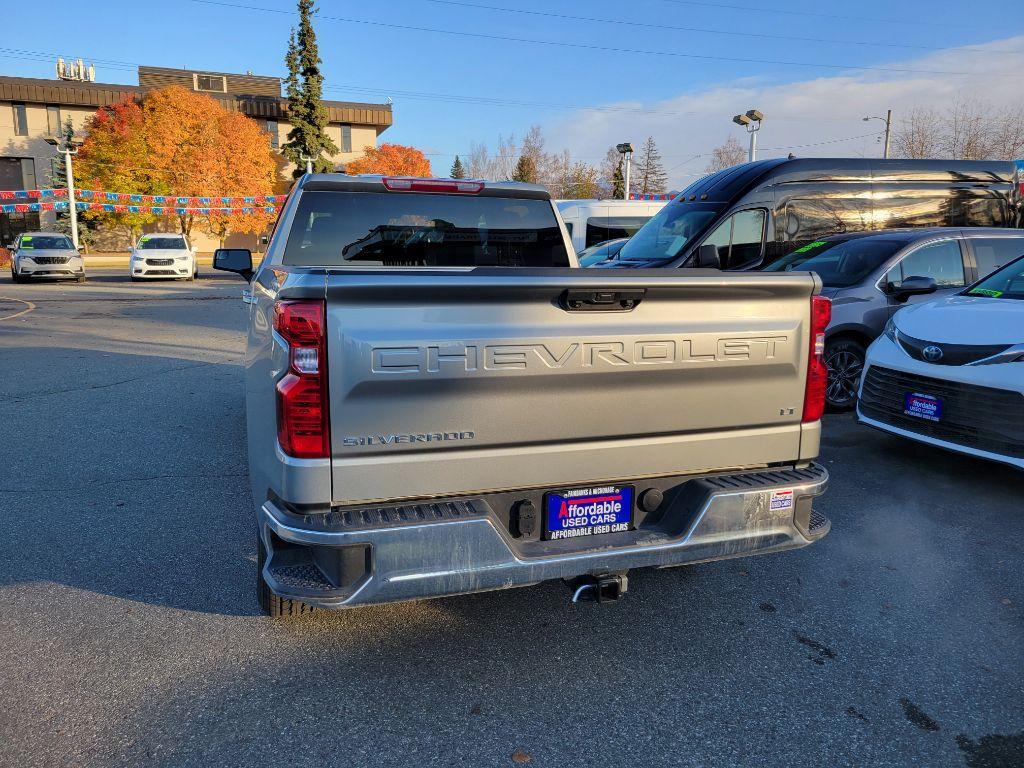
column 810, row 219
column 979, row 212
column 739, row 239
column 993, row 252
column 942, row 261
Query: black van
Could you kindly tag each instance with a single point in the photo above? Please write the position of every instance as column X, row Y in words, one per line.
column 755, row 212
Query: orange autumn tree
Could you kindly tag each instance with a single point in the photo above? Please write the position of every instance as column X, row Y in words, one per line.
column 114, row 158
column 187, row 144
column 391, row 160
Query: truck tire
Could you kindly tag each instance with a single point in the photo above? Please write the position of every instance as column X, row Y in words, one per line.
column 845, row 361
column 273, row 605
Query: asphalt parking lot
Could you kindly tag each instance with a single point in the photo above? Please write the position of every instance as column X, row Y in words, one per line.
column 131, row 633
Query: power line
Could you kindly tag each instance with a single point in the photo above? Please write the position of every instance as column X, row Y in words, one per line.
column 774, row 11
column 474, row 100
column 589, row 46
column 705, row 30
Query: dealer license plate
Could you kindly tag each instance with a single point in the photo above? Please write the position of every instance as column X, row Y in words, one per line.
column 922, row 406
column 591, row 511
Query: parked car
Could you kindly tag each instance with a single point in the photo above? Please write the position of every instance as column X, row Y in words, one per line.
column 950, row 372
column 46, row 255
column 163, row 255
column 869, row 276
column 609, row 249
column 438, row 405
column 596, row 221
column 755, row 212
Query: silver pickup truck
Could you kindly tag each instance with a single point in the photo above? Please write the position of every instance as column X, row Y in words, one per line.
column 440, row 402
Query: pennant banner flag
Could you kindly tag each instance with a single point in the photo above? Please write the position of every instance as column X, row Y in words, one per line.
column 148, row 201
column 157, row 210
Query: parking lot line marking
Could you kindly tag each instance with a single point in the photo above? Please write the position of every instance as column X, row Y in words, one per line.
column 28, row 304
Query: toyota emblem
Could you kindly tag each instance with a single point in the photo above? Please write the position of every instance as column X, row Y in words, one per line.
column 932, row 353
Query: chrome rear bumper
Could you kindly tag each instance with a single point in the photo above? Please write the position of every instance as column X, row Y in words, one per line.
column 384, row 559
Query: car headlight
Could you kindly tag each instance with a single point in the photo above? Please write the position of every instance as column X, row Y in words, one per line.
column 890, row 331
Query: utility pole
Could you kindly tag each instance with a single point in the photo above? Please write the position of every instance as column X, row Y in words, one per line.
column 752, row 122
column 626, row 150
column 68, row 149
column 888, row 130
column 309, row 162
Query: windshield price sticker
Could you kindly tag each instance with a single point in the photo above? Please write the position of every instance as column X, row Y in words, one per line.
column 589, row 511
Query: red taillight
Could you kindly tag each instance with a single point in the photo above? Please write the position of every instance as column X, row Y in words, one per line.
column 303, row 429
column 440, row 186
column 817, row 372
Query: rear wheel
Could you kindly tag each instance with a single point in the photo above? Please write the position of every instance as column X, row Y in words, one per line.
column 272, row 605
column 845, row 362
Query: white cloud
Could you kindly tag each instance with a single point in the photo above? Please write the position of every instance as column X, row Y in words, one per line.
column 797, row 114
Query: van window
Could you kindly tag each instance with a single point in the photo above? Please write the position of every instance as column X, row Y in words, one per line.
column 942, row 261
column 601, row 228
column 993, row 252
column 811, row 219
column 739, row 238
column 911, row 212
column 979, row 212
column 408, row 229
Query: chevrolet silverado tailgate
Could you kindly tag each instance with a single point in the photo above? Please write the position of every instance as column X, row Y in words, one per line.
column 447, row 381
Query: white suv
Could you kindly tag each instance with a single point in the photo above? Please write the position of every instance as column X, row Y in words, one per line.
column 46, row 255
column 160, row 255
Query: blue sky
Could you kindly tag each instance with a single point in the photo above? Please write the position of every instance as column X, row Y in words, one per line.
column 665, row 79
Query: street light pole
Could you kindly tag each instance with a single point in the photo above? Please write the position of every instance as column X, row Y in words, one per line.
column 752, row 122
column 72, row 207
column 309, row 163
column 888, row 130
column 69, row 146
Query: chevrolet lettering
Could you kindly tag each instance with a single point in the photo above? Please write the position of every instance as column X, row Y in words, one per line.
column 429, row 414
column 471, row 358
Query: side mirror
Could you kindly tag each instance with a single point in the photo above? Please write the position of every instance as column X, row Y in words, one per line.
column 914, row 286
column 707, row 257
column 237, row 260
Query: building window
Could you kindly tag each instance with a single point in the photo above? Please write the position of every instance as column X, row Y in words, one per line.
column 272, row 129
column 53, row 120
column 346, row 138
column 20, row 120
column 213, row 83
column 28, row 173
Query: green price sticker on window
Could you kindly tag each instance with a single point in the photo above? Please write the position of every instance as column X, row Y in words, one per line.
column 986, row 292
column 810, row 246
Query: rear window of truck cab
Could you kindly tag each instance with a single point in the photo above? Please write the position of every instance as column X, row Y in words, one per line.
column 404, row 229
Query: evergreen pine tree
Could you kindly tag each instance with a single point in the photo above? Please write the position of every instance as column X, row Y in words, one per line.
column 304, row 88
column 618, row 183
column 458, row 170
column 526, row 170
column 649, row 177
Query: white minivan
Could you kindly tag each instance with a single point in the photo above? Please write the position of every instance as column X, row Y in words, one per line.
column 163, row 255
column 594, row 221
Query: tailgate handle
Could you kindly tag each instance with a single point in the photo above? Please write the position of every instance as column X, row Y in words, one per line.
column 600, row 300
